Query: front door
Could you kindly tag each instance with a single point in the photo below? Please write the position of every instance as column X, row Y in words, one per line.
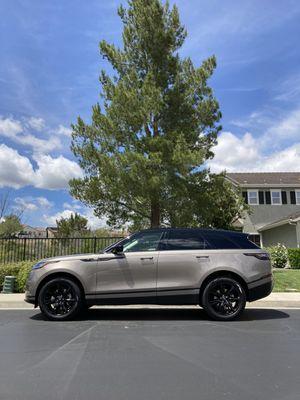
column 132, row 275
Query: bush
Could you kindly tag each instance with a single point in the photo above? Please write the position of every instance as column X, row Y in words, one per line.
column 294, row 258
column 279, row 256
column 22, row 276
column 20, row 271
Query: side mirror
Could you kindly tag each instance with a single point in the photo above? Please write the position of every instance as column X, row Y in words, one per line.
column 117, row 249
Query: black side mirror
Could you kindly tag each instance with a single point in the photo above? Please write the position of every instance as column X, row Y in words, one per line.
column 117, row 249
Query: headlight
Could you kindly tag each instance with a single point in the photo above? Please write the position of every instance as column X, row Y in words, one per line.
column 40, row 264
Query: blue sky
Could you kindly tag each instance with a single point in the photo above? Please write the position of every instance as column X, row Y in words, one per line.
column 49, row 72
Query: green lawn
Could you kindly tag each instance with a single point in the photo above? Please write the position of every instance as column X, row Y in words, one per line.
column 286, row 279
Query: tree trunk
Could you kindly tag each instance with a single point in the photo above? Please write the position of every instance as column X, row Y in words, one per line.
column 155, row 215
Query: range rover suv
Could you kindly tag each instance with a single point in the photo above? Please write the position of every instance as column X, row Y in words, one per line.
column 218, row 270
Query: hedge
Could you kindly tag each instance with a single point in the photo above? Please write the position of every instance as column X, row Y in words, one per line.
column 294, row 258
column 20, row 271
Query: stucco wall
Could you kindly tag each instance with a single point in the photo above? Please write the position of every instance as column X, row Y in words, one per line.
column 285, row 234
column 265, row 214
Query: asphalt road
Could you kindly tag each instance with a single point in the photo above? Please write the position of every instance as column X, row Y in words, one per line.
column 138, row 354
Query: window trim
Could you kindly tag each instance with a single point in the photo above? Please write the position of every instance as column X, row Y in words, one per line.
column 257, row 198
column 276, row 191
column 297, row 195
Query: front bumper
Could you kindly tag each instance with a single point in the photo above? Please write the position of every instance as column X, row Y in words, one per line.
column 261, row 291
column 29, row 299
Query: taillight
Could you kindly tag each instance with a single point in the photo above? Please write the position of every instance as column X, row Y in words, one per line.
column 260, row 256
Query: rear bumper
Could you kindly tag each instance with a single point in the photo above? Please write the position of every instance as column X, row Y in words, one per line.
column 260, row 291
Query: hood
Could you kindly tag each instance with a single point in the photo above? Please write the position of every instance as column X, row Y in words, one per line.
column 73, row 257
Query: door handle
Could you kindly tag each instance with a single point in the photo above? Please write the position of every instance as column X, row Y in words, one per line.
column 146, row 258
column 203, row 257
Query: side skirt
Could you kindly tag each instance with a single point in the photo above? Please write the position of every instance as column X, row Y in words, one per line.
column 164, row 297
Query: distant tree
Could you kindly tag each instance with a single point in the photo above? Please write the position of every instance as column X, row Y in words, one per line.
column 145, row 152
column 74, row 226
column 10, row 226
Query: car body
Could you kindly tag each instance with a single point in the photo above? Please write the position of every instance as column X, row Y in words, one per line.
column 157, row 266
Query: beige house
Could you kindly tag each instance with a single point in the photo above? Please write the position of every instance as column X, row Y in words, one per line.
column 274, row 201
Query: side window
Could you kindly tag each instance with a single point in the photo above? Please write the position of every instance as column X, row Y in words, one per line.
column 185, row 240
column 219, row 241
column 145, row 241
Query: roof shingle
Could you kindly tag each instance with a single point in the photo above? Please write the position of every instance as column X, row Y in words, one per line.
column 267, row 178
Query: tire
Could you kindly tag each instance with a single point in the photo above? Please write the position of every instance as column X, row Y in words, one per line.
column 60, row 299
column 224, row 299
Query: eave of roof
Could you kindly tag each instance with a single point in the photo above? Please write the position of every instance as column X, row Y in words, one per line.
column 290, row 219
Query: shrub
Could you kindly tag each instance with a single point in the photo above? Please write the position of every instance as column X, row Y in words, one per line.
column 294, row 258
column 19, row 270
column 279, row 256
column 22, row 276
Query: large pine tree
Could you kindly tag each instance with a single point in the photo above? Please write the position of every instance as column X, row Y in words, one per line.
column 144, row 152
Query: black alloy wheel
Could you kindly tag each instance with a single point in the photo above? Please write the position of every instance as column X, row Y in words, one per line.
column 60, row 299
column 224, row 299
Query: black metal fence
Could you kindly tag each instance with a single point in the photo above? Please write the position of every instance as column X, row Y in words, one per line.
column 30, row 249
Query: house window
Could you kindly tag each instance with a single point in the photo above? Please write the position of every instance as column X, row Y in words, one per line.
column 276, row 197
column 298, row 197
column 253, row 197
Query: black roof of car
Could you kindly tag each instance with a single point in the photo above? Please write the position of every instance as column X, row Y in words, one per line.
column 203, row 230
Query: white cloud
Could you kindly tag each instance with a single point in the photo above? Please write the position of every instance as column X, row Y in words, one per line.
column 93, row 221
column 286, row 128
column 75, row 205
column 15, row 170
column 31, row 204
column 51, row 173
column 55, row 173
column 246, row 153
column 37, row 124
column 39, row 145
column 43, row 202
column 24, row 204
column 51, row 219
column 232, row 152
column 63, row 130
column 18, row 133
column 10, row 127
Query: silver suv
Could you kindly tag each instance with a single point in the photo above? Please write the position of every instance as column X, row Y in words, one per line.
column 218, row 270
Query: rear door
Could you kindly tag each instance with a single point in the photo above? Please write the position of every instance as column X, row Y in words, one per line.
column 183, row 257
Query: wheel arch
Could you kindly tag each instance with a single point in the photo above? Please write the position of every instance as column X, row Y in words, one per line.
column 223, row 273
column 58, row 275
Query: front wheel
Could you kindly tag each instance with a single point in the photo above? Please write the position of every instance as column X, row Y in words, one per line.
column 224, row 299
column 60, row 299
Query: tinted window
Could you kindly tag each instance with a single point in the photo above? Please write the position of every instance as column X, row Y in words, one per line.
column 144, row 241
column 219, row 241
column 245, row 242
column 185, row 240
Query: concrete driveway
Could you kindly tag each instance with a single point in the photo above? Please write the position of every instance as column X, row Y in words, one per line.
column 143, row 354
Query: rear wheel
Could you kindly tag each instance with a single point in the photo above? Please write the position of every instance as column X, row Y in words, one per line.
column 60, row 299
column 224, row 299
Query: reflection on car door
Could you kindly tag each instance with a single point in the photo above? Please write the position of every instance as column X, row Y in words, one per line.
column 132, row 274
column 182, row 258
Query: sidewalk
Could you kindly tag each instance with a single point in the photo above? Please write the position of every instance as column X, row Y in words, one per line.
column 275, row 300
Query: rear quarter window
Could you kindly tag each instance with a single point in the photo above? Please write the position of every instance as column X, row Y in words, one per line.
column 219, row 241
column 223, row 241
